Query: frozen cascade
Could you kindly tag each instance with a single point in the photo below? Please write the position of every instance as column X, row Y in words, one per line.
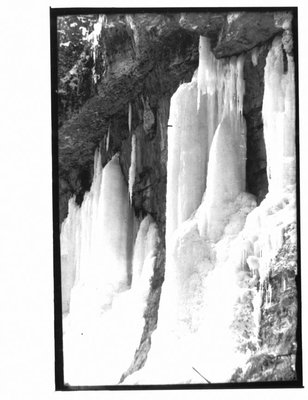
column 105, row 321
column 219, row 251
column 219, row 245
column 227, row 159
column 206, row 165
column 218, row 89
column 103, row 267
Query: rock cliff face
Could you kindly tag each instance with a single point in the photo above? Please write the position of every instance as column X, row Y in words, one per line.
column 127, row 75
column 141, row 59
column 276, row 356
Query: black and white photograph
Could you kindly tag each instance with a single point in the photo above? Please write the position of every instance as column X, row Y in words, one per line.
column 176, row 178
column 153, row 166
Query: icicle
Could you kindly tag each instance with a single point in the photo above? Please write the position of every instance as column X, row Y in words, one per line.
column 284, row 285
column 108, row 139
column 208, row 68
column 132, row 168
column 240, row 83
column 129, row 117
column 270, row 293
column 255, row 56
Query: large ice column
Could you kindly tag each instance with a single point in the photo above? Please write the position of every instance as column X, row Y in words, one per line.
column 227, row 159
column 115, row 218
column 226, row 176
column 278, row 113
column 192, row 123
column 76, row 233
column 98, row 236
column 205, row 170
column 212, row 102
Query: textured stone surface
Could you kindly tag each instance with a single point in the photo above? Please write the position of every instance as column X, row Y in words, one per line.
column 141, row 56
column 244, row 30
column 275, row 357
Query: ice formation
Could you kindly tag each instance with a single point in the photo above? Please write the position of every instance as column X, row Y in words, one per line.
column 103, row 312
column 132, row 168
column 255, row 56
column 279, row 118
column 129, row 116
column 220, row 245
column 205, row 203
column 93, row 37
column 100, row 249
column 108, row 139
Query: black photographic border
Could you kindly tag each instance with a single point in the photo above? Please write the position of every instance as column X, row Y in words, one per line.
column 58, row 333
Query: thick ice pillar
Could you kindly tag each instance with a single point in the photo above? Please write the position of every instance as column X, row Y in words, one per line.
column 227, row 159
column 95, row 242
column 278, row 113
column 192, row 123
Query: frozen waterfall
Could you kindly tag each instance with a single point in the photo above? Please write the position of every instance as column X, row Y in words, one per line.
column 103, row 311
column 103, row 225
column 219, row 244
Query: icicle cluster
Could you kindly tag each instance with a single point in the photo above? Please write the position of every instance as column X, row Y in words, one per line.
column 98, row 235
column 205, row 201
column 227, row 159
column 104, row 321
column 218, row 90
